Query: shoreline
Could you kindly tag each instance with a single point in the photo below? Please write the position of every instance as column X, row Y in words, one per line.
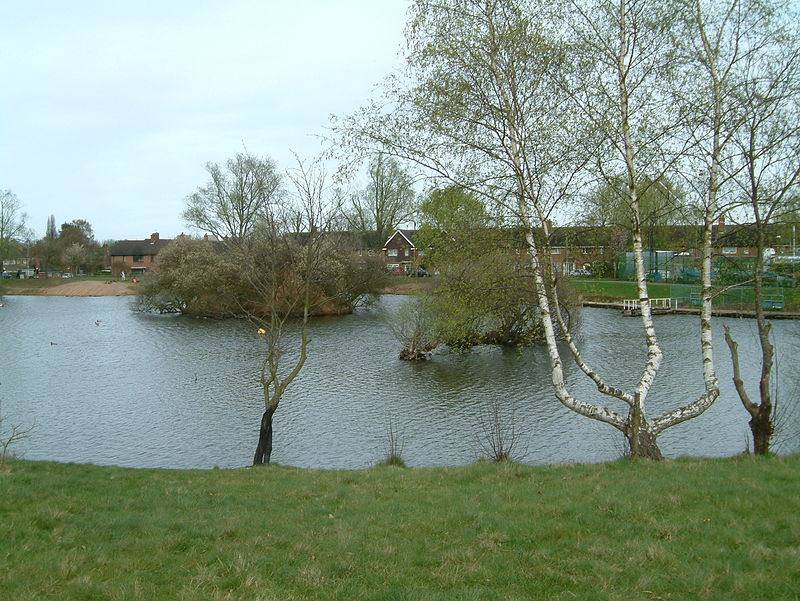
column 75, row 288
column 94, row 288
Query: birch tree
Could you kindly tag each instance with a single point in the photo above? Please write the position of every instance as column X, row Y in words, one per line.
column 489, row 105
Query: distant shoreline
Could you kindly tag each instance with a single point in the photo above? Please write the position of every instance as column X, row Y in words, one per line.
column 406, row 286
column 74, row 288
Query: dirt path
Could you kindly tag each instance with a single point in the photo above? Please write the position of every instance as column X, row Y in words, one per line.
column 79, row 288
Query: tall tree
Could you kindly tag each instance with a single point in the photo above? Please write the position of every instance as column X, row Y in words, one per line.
column 77, row 231
column 236, row 198
column 767, row 179
column 385, row 203
column 504, row 100
column 12, row 222
column 288, row 252
column 51, row 233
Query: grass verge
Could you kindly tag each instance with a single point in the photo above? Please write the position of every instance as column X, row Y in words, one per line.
column 627, row 530
column 738, row 298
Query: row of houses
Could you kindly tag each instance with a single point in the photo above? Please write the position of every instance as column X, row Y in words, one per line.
column 575, row 248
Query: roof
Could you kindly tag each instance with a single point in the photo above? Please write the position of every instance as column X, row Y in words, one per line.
column 145, row 247
column 407, row 234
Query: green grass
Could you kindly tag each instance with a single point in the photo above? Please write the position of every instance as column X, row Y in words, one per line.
column 627, row 530
column 614, row 291
column 606, row 290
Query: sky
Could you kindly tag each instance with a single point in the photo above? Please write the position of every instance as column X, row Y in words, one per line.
column 110, row 110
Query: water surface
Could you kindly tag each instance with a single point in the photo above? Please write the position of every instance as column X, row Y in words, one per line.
column 110, row 386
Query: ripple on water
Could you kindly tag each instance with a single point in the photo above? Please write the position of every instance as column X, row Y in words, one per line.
column 107, row 385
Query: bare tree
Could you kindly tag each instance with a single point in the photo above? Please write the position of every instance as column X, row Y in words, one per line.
column 236, row 198
column 768, row 142
column 285, row 254
column 412, row 326
column 499, row 436
column 11, row 436
column 385, row 203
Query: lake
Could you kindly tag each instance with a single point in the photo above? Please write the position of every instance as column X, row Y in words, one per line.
column 106, row 385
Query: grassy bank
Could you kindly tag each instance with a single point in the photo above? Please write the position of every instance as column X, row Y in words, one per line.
column 687, row 529
column 614, row 291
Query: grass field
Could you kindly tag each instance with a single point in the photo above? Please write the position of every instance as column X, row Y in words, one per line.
column 687, row 529
column 740, row 298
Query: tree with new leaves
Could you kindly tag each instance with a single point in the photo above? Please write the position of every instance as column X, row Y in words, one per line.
column 524, row 106
column 484, row 293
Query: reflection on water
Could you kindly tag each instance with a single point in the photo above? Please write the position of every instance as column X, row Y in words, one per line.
column 109, row 386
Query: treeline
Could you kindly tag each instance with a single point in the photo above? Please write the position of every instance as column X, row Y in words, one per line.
column 273, row 243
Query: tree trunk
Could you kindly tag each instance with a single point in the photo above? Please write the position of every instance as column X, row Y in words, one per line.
column 264, row 448
column 762, row 428
column 642, row 441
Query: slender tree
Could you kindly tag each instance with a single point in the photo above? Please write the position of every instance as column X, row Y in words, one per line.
column 51, row 233
column 287, row 251
column 289, row 266
column 767, row 178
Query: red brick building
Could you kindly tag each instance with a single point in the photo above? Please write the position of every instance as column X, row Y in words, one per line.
column 135, row 256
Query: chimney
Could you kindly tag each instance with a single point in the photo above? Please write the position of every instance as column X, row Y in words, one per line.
column 721, row 221
column 153, row 237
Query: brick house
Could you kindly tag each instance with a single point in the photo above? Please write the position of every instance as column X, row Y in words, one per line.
column 400, row 252
column 135, row 255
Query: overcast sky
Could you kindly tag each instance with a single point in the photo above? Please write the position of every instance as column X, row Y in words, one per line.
column 109, row 110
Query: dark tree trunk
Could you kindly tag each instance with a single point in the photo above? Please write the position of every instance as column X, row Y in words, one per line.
column 264, row 448
column 641, row 441
column 762, row 428
column 645, row 445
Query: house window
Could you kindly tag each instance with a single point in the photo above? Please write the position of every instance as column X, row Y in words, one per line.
column 392, row 252
column 555, row 251
column 137, row 258
column 729, row 250
column 745, row 251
